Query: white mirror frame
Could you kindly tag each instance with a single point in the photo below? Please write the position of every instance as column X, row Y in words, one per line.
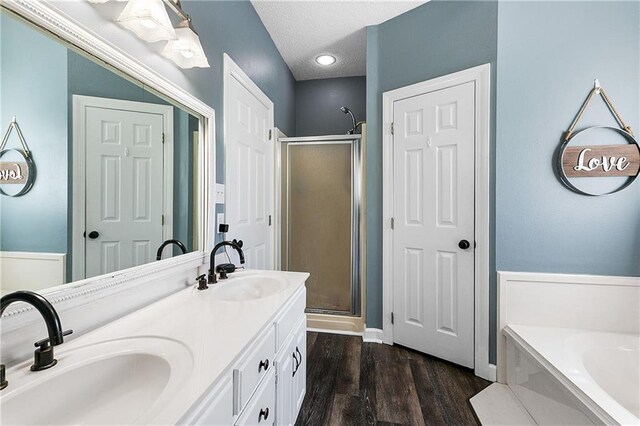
column 44, row 16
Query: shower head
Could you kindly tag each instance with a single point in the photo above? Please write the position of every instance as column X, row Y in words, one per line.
column 353, row 119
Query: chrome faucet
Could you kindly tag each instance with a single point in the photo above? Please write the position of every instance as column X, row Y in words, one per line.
column 166, row 243
column 212, row 279
column 43, row 356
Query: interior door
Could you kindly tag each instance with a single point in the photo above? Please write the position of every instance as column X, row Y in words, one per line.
column 124, row 169
column 433, row 246
column 249, row 175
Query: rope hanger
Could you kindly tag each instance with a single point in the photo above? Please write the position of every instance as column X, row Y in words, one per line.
column 597, row 89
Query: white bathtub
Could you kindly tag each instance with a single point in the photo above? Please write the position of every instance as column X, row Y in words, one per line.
column 569, row 376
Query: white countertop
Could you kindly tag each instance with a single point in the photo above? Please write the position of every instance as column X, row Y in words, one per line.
column 214, row 331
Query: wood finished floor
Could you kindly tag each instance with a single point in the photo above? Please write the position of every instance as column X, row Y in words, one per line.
column 354, row 383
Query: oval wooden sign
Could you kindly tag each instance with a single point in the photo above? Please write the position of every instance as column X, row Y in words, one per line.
column 599, row 160
column 17, row 173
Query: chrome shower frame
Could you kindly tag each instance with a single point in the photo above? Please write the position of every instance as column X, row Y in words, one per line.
column 356, row 212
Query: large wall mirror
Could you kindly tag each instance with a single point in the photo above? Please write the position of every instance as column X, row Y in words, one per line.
column 120, row 166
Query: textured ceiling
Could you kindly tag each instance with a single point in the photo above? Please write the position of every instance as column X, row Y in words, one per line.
column 304, row 29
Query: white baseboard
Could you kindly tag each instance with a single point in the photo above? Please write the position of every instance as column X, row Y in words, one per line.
column 372, row 335
column 329, row 331
column 487, row 372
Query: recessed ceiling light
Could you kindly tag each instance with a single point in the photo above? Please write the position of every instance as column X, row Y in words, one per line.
column 325, row 59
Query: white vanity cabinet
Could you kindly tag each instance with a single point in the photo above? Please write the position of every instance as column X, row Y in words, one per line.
column 267, row 382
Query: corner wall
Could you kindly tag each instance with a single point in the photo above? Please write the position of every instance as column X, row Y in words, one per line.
column 318, row 105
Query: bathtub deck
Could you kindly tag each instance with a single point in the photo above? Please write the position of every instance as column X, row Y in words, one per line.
column 497, row 405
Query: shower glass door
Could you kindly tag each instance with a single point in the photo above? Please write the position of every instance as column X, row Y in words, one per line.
column 321, row 181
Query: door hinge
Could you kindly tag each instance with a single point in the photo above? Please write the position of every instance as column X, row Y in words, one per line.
column 392, row 127
column 162, row 137
column 393, row 222
column 391, row 317
column 270, row 134
column 162, row 220
column 269, row 220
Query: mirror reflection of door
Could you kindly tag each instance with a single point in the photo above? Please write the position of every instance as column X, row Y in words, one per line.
column 127, row 201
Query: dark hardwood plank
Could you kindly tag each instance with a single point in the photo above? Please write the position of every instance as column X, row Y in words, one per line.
column 428, row 394
column 396, row 396
column 348, row 381
column 355, row 383
column 368, row 383
column 346, row 411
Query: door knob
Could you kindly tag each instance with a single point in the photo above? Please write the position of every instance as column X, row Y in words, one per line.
column 464, row 244
column 94, row 234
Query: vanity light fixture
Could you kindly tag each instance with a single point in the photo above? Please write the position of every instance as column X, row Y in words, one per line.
column 186, row 51
column 148, row 19
column 326, row 60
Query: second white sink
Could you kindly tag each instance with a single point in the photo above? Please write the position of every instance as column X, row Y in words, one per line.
column 244, row 288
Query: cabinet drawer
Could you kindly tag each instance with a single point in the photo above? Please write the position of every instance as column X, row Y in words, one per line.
column 286, row 322
column 254, row 366
column 261, row 410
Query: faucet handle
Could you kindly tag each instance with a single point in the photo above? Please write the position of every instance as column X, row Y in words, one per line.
column 45, row 342
column 3, row 378
column 202, row 282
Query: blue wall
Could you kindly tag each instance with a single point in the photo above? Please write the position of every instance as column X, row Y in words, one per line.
column 318, row 105
column 34, row 89
column 435, row 39
column 544, row 73
column 234, row 27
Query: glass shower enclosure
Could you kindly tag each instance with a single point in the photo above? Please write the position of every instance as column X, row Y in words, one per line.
column 321, row 221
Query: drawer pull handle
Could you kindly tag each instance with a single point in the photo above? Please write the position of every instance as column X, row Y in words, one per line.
column 295, row 367
column 300, row 355
column 263, row 414
column 263, row 364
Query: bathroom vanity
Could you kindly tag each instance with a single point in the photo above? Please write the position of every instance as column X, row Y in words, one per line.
column 232, row 354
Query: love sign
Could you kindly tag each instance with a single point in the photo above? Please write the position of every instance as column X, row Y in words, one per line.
column 598, row 161
column 16, row 172
column 601, row 160
column 13, row 173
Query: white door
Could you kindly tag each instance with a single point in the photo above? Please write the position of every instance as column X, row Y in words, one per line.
column 124, row 195
column 433, row 202
column 249, row 168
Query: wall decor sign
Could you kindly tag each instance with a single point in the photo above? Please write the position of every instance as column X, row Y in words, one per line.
column 598, row 161
column 21, row 171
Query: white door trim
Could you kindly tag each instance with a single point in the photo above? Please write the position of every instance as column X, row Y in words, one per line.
column 481, row 76
column 80, row 103
column 232, row 70
column 277, row 197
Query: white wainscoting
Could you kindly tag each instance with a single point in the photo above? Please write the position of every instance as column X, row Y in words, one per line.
column 21, row 270
column 590, row 302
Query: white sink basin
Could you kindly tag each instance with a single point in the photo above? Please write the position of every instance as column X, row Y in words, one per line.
column 113, row 382
column 240, row 289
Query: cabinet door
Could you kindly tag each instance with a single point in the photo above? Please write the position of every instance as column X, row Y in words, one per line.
column 300, row 377
column 285, row 362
